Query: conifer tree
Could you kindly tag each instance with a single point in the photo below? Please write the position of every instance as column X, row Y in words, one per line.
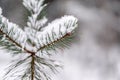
column 35, row 43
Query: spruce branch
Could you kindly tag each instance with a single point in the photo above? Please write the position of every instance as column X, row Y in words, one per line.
column 35, row 39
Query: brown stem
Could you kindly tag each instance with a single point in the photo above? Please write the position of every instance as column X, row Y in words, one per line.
column 32, row 66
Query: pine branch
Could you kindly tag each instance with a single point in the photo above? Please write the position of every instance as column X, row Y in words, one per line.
column 17, row 63
column 16, row 44
column 9, row 29
column 35, row 38
column 59, row 30
column 13, row 34
column 54, row 42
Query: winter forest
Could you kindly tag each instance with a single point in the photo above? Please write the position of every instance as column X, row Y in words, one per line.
column 92, row 54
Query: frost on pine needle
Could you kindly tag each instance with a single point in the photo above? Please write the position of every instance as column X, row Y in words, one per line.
column 57, row 30
column 36, row 40
column 12, row 31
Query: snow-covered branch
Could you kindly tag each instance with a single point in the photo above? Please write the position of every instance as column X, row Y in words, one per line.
column 56, row 30
column 36, row 38
column 12, row 32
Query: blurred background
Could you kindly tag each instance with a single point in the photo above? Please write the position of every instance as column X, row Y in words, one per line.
column 95, row 55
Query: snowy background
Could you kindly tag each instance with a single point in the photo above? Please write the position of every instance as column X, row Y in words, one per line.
column 95, row 55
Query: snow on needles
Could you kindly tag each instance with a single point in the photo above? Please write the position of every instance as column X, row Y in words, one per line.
column 35, row 7
column 36, row 38
column 12, row 30
column 47, row 35
column 57, row 29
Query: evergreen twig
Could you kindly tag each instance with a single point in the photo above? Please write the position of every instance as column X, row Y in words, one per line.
column 35, row 39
